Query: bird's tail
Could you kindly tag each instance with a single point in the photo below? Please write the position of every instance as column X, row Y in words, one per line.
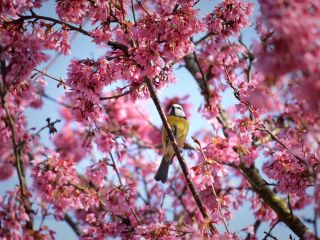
column 162, row 173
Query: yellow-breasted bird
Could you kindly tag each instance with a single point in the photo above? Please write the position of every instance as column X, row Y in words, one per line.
column 180, row 126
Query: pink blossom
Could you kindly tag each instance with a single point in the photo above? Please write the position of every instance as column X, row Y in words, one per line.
column 105, row 141
column 101, row 35
column 90, row 218
column 260, row 102
column 97, row 173
column 279, row 25
column 70, row 143
column 86, row 85
column 13, row 8
column 229, row 17
column 292, row 176
column 219, row 150
column 262, row 211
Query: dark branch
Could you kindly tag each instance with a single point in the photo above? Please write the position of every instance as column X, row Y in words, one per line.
column 115, row 45
column 72, row 224
column 181, row 160
column 194, row 68
column 253, row 176
column 16, row 149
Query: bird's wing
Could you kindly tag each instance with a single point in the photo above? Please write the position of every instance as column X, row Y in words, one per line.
column 174, row 130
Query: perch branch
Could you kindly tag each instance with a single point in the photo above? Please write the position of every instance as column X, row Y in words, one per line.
column 178, row 153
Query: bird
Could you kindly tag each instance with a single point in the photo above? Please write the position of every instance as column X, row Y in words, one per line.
column 180, row 127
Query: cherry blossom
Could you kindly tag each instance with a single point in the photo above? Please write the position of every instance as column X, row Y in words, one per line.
column 256, row 148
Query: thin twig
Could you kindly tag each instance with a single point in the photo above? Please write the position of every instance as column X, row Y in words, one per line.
column 315, row 225
column 143, row 7
column 146, row 190
column 54, row 100
column 133, row 12
column 118, row 95
column 49, row 125
column 162, row 200
column 116, row 169
column 275, row 138
column 60, row 81
column 194, row 68
column 234, row 50
column 268, row 234
column 209, row 34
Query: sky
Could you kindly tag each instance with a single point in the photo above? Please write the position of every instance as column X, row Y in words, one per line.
column 81, row 48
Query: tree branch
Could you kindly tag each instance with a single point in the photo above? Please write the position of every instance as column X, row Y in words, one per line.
column 79, row 29
column 72, row 224
column 181, row 160
column 255, row 179
column 17, row 152
column 277, row 204
column 59, row 80
column 236, row 93
column 194, row 68
column 118, row 95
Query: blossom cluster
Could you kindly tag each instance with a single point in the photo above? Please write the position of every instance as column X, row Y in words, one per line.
column 286, row 58
column 96, row 170
column 229, row 17
column 86, row 80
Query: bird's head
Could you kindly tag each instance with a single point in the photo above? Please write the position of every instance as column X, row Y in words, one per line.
column 176, row 110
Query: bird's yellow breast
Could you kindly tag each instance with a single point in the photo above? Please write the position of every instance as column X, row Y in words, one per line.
column 180, row 126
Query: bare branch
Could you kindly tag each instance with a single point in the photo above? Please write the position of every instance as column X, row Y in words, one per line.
column 59, row 80
column 118, row 95
column 54, row 100
column 72, row 224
